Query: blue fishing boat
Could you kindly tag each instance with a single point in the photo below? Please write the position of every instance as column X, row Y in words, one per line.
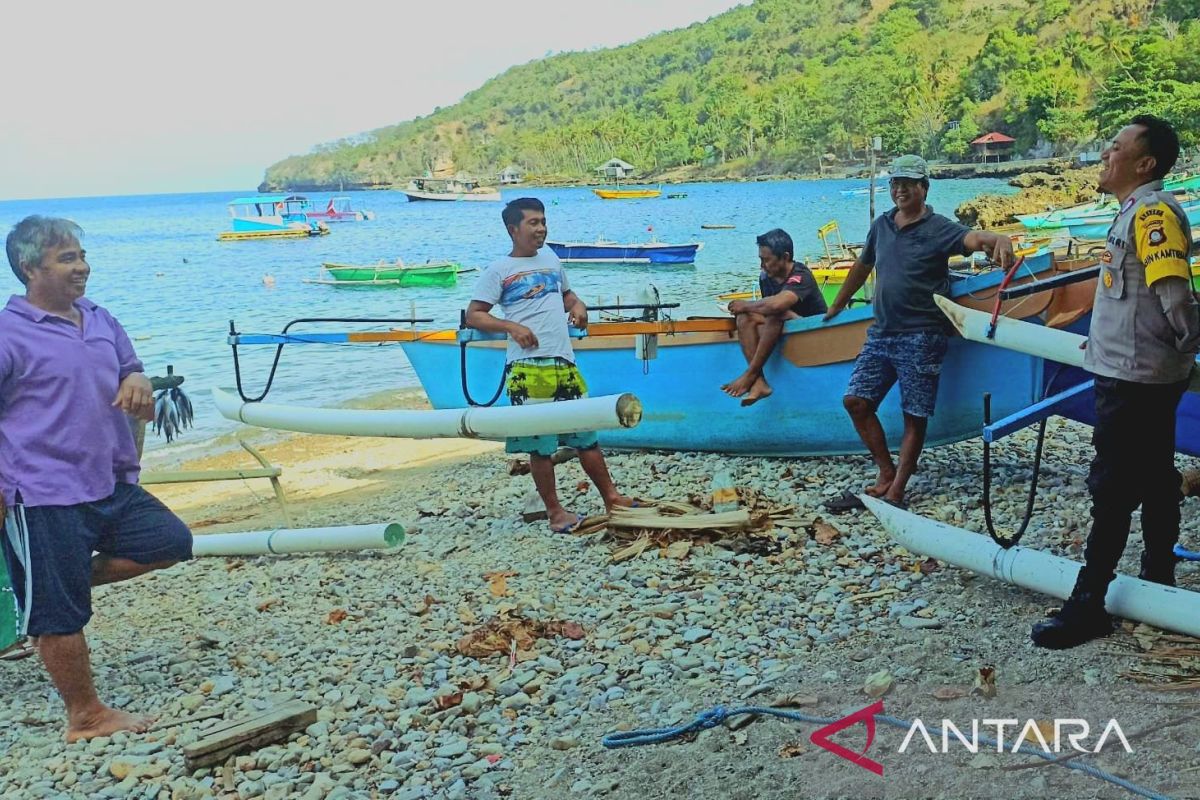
column 266, row 216
column 603, row 251
column 1096, row 225
column 680, row 387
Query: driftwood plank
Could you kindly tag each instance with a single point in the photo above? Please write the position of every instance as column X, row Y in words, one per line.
column 639, row 518
column 249, row 733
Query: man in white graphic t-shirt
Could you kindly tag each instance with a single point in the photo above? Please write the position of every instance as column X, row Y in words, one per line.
column 532, row 290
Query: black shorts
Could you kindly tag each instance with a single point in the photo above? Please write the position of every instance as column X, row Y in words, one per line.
column 49, row 552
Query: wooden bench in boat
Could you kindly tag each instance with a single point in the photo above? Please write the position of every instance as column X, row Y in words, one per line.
column 266, row 470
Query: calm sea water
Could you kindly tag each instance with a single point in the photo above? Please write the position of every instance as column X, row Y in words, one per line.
column 156, row 264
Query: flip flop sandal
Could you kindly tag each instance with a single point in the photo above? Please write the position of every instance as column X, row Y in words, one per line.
column 19, row 651
column 846, row 503
column 569, row 527
column 900, row 504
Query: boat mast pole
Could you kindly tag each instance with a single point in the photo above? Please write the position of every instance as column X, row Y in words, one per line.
column 872, row 143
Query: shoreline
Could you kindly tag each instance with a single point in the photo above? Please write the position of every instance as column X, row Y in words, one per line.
column 694, row 174
column 317, row 469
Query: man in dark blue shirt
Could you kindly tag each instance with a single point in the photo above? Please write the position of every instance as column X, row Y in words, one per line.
column 909, row 248
column 789, row 291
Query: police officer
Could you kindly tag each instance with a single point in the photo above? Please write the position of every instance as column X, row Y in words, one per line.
column 1142, row 345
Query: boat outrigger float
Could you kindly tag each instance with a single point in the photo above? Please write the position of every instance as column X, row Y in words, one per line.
column 622, row 410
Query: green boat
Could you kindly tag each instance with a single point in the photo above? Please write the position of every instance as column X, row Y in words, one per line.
column 441, row 273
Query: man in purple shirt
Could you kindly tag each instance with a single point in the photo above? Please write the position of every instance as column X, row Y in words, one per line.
column 74, row 514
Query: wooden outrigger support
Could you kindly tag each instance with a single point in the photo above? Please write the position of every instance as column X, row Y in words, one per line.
column 267, row 470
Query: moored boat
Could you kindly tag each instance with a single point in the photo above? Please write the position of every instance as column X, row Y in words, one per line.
column 1088, row 212
column 603, row 251
column 685, row 409
column 450, row 189
column 271, row 216
column 339, row 209
column 1096, row 225
column 627, row 194
column 441, row 273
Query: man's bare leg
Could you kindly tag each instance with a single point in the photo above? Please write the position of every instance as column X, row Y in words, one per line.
column 769, row 331
column 67, row 662
column 910, row 451
column 542, row 470
column 592, row 461
column 109, row 569
column 866, row 422
column 748, row 332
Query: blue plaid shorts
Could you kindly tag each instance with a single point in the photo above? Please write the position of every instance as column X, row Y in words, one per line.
column 914, row 359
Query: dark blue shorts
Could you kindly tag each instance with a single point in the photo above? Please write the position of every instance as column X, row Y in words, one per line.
column 49, row 551
column 914, row 359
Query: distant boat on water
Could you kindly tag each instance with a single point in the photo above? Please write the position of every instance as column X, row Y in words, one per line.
column 627, row 194
column 439, row 273
column 271, row 216
column 339, row 209
column 450, row 189
column 603, row 251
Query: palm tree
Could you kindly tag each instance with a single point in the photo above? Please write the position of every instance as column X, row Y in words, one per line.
column 1115, row 42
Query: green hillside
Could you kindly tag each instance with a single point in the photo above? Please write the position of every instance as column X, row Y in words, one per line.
column 786, row 85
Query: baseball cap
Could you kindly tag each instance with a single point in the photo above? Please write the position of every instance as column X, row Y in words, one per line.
column 909, row 166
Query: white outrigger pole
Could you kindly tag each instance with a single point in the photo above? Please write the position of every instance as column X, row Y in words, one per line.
column 1165, row 607
column 1051, row 344
column 299, row 540
column 568, row 416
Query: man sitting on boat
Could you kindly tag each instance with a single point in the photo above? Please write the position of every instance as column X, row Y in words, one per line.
column 69, row 466
column 909, row 247
column 789, row 291
column 532, row 289
column 1142, row 344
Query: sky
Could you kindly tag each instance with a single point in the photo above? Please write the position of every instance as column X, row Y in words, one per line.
column 133, row 97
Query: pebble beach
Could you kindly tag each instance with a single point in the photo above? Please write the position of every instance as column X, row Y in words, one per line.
column 832, row 618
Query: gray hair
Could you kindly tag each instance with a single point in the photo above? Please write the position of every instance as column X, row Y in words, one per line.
column 30, row 237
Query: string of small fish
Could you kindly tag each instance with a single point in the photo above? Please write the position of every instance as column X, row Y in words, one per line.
column 172, row 412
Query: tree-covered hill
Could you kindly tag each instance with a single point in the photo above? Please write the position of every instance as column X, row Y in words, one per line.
column 784, row 85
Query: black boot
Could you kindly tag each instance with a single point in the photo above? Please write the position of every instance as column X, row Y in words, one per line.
column 1159, row 570
column 1081, row 619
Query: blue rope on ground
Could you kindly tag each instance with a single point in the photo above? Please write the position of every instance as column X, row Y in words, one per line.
column 718, row 715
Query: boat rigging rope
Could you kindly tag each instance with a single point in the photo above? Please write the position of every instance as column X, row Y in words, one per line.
column 296, row 339
column 462, row 366
column 718, row 715
column 1012, row 541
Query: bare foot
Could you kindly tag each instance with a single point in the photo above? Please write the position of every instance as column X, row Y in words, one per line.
column 620, row 500
column 106, row 723
column 563, row 520
column 882, row 484
column 739, row 387
column 758, row 391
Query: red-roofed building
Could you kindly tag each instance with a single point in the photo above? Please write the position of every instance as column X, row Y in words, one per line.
column 995, row 146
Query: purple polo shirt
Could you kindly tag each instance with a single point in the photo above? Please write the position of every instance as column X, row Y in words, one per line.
column 62, row 441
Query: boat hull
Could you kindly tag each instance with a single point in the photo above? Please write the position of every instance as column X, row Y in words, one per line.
column 685, row 408
column 627, row 194
column 612, row 253
column 434, row 275
column 341, row 216
column 415, row 195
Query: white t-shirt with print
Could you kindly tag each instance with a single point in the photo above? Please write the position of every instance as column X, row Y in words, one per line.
column 530, row 292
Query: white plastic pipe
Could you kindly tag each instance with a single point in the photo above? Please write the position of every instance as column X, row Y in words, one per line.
column 1165, row 607
column 299, row 540
column 569, row 416
column 1012, row 334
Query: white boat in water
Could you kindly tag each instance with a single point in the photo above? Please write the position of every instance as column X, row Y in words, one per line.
column 452, row 189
